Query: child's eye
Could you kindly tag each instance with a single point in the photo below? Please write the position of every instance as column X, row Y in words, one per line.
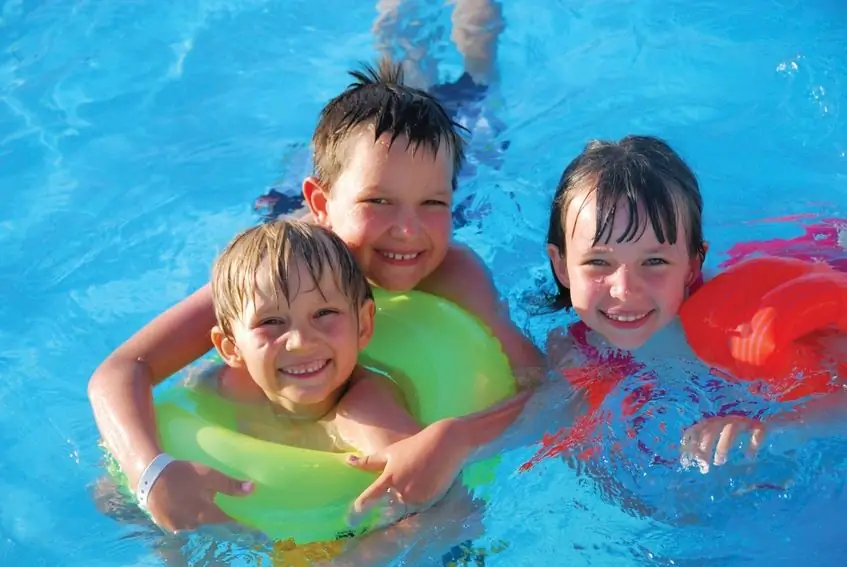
column 436, row 203
column 326, row 312
column 595, row 262
column 656, row 262
column 272, row 321
column 377, row 201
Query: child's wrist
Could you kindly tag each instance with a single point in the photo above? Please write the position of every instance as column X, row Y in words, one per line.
column 149, row 476
column 137, row 457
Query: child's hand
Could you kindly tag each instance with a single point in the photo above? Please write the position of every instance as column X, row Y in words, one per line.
column 183, row 496
column 450, row 523
column 716, row 436
column 420, row 468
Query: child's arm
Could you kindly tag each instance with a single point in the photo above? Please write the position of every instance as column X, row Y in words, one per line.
column 453, row 522
column 121, row 396
column 427, row 463
column 465, row 280
column 423, row 466
column 710, row 441
column 372, row 415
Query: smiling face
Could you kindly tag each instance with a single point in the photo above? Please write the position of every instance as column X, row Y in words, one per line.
column 299, row 352
column 391, row 205
column 625, row 290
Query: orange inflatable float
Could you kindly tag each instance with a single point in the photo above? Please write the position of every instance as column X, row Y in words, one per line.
column 759, row 319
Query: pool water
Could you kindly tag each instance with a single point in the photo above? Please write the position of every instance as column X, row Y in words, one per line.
column 135, row 138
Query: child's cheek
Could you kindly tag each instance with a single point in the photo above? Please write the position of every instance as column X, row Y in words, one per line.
column 265, row 336
column 364, row 221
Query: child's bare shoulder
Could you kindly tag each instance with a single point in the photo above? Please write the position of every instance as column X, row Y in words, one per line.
column 231, row 383
column 373, row 413
column 461, row 257
column 367, row 384
column 464, row 279
column 206, row 375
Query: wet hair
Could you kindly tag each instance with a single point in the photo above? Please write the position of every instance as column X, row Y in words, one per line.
column 281, row 246
column 645, row 174
column 379, row 99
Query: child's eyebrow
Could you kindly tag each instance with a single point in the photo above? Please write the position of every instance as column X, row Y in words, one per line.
column 270, row 309
column 605, row 249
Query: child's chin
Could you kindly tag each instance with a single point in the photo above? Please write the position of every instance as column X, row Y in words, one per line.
column 629, row 341
column 307, row 396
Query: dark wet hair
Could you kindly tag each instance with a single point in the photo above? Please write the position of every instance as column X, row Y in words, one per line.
column 379, row 98
column 281, row 246
column 640, row 171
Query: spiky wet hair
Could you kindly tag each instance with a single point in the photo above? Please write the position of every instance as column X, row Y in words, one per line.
column 378, row 99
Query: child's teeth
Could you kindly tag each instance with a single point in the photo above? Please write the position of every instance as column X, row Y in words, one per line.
column 306, row 368
column 626, row 318
column 395, row 256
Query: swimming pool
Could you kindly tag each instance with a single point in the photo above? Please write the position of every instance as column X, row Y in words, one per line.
column 135, row 138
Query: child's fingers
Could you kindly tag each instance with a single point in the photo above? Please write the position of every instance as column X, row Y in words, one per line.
column 727, row 437
column 375, row 462
column 219, row 482
column 688, row 445
column 705, row 448
column 756, row 440
column 690, row 439
column 374, row 492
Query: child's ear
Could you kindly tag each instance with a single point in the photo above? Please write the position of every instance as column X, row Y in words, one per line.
column 367, row 312
column 695, row 273
column 695, row 266
column 560, row 265
column 317, row 198
column 226, row 348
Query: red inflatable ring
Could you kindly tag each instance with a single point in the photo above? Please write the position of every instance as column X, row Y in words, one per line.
column 757, row 321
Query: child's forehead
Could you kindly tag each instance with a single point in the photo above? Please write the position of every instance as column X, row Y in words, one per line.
column 287, row 287
column 364, row 153
column 581, row 215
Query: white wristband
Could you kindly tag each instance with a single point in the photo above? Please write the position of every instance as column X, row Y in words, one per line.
column 149, row 477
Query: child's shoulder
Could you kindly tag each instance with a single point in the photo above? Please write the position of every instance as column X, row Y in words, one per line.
column 365, row 382
column 462, row 256
column 462, row 277
column 205, row 375
column 231, row 383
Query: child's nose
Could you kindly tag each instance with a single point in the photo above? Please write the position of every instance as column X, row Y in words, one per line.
column 298, row 339
column 406, row 223
column 624, row 283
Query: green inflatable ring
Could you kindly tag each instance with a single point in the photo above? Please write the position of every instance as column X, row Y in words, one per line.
column 447, row 365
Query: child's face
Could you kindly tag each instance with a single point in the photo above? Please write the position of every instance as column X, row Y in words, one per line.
column 392, row 207
column 625, row 291
column 301, row 353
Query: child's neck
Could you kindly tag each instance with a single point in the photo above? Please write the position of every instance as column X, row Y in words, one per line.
column 306, row 412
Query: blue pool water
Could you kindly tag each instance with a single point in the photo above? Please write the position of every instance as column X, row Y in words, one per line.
column 134, row 138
